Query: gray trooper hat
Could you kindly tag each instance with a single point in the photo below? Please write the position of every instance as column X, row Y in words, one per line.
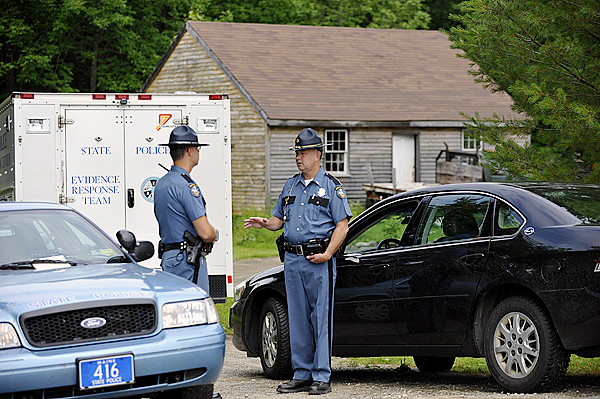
column 184, row 135
column 308, row 139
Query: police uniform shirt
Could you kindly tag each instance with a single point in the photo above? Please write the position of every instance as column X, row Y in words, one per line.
column 312, row 211
column 177, row 202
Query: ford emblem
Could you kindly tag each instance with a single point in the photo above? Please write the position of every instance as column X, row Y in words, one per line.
column 93, row 322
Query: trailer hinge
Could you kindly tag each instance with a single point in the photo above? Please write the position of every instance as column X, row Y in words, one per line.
column 63, row 199
column 183, row 121
column 65, row 121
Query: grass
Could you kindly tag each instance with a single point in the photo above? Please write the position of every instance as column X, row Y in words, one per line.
column 466, row 365
column 252, row 243
column 223, row 309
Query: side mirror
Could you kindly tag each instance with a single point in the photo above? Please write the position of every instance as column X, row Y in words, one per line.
column 143, row 250
column 139, row 251
column 126, row 239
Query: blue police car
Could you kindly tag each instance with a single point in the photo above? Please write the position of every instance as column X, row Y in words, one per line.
column 79, row 317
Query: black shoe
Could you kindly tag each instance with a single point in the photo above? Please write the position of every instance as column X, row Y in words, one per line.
column 294, row 386
column 217, row 395
column 318, row 388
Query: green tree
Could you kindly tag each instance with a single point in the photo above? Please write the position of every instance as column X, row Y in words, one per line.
column 113, row 45
column 440, row 11
column 80, row 45
column 546, row 56
column 390, row 14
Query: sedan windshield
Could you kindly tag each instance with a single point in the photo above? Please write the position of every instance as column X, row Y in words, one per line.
column 45, row 239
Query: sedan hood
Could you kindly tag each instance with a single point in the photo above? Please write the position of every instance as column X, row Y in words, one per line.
column 27, row 290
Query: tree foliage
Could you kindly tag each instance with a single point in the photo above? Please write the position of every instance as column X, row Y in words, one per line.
column 82, row 45
column 390, row 14
column 440, row 11
column 113, row 45
column 546, row 56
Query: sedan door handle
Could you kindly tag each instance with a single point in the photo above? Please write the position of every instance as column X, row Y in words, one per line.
column 472, row 258
column 377, row 269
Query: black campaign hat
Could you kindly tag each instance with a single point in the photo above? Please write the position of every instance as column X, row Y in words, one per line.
column 308, row 139
column 184, row 135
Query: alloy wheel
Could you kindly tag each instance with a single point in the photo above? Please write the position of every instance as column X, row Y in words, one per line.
column 516, row 345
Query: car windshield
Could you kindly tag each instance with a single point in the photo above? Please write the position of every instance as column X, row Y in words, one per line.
column 581, row 201
column 43, row 239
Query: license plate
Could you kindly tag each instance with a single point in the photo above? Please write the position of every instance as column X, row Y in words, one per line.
column 106, row 371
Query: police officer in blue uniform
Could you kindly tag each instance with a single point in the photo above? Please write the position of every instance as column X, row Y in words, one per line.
column 314, row 213
column 180, row 206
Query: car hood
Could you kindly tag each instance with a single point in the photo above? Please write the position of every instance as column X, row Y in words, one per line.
column 27, row 290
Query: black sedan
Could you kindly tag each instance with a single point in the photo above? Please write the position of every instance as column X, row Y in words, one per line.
column 505, row 271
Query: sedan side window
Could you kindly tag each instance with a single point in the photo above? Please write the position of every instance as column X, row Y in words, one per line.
column 453, row 218
column 384, row 233
column 507, row 220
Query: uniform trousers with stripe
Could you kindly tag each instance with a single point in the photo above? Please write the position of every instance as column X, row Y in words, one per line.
column 309, row 288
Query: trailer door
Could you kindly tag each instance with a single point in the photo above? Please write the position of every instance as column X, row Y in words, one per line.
column 94, row 178
column 145, row 129
column 212, row 174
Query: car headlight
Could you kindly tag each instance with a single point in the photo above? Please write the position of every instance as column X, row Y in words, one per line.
column 239, row 290
column 8, row 336
column 189, row 313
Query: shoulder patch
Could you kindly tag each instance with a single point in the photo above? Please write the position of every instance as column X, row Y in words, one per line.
column 340, row 192
column 194, row 189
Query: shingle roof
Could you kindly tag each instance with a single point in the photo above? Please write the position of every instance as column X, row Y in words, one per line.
column 348, row 74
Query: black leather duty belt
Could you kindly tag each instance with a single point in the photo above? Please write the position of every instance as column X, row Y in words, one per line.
column 316, row 246
column 176, row 245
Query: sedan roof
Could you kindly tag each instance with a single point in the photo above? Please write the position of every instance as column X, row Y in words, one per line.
column 20, row 206
column 541, row 211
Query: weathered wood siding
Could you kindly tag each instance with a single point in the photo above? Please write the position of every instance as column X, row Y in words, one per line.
column 366, row 146
column 189, row 68
column 431, row 142
column 282, row 162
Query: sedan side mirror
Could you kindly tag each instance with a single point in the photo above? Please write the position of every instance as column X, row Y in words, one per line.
column 126, row 239
column 138, row 251
column 143, row 250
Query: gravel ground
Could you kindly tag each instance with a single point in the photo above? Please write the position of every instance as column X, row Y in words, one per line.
column 242, row 377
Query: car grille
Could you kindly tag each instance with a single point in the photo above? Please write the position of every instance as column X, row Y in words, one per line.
column 64, row 327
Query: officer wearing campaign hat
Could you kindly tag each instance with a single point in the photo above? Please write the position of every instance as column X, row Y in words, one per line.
column 179, row 206
column 313, row 211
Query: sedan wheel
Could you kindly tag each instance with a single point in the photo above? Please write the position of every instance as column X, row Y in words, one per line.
column 275, row 353
column 523, row 351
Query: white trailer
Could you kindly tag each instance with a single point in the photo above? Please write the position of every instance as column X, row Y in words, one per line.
column 99, row 154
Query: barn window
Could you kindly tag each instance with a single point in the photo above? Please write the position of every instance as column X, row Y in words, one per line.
column 336, row 153
column 469, row 143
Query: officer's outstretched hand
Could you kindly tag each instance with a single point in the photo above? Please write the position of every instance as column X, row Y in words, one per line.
column 274, row 223
column 256, row 222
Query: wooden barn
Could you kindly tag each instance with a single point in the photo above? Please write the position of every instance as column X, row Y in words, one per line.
column 388, row 100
